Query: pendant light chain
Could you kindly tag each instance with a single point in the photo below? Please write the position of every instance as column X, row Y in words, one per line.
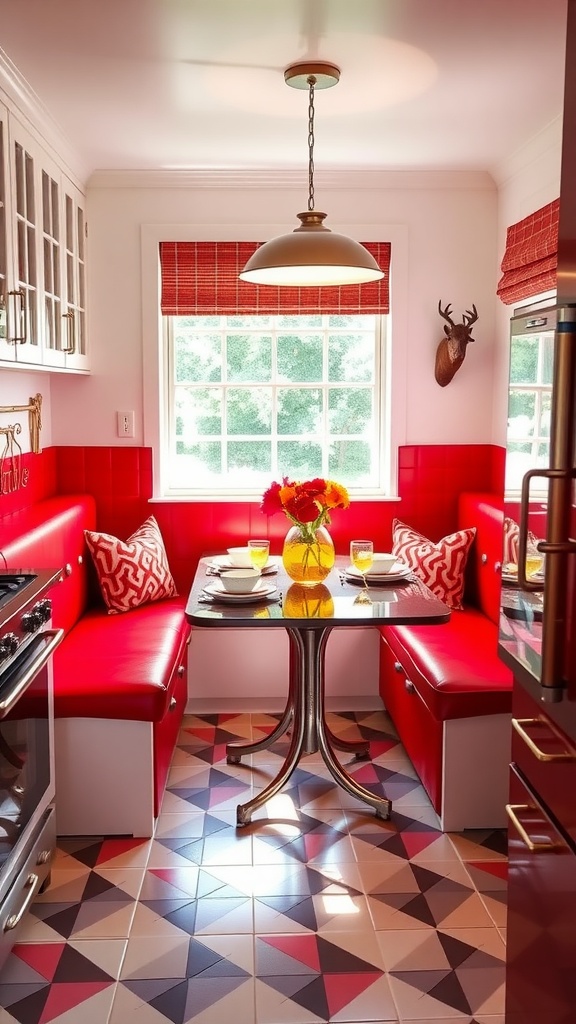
column 311, row 84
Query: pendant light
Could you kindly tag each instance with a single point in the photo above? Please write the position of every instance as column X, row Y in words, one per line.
column 311, row 255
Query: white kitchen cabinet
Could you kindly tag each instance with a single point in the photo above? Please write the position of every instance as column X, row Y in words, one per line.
column 42, row 257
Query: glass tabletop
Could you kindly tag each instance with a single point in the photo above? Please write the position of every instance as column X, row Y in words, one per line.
column 337, row 601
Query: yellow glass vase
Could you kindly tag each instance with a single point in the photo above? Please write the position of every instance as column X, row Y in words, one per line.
column 308, row 555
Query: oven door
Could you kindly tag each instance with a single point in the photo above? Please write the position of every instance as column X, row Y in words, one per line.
column 26, row 749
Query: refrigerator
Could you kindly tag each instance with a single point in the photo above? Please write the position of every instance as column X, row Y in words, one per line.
column 538, row 641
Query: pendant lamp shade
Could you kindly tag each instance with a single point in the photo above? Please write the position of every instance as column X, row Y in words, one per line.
column 311, row 255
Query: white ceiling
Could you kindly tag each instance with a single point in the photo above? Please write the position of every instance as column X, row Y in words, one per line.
column 155, row 84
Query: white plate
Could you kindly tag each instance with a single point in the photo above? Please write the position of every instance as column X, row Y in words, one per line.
column 262, row 591
column 397, row 572
column 220, row 562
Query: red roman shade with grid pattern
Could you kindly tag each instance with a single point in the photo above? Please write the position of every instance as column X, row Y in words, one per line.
column 531, row 256
column 201, row 279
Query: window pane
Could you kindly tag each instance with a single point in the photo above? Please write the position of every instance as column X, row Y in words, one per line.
column 352, row 323
column 524, row 360
column 547, row 359
column 351, row 357
column 351, row 461
column 253, row 457
column 300, row 357
column 248, row 410
column 260, row 322
column 545, row 415
column 299, row 410
column 299, row 459
column 197, row 357
column 302, row 323
column 248, row 357
column 521, row 413
column 198, row 412
column 349, row 410
column 206, row 459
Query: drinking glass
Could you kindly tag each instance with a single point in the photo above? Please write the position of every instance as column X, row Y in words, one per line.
column 362, row 556
column 259, row 551
column 534, row 560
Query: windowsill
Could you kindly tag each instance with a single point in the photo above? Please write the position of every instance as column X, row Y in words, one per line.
column 252, row 499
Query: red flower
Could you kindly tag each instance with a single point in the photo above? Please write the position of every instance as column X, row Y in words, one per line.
column 271, row 500
column 303, row 508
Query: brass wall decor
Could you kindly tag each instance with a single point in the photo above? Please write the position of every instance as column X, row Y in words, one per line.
column 12, row 474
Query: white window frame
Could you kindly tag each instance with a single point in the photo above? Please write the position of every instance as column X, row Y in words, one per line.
column 539, row 488
column 154, row 368
column 380, row 389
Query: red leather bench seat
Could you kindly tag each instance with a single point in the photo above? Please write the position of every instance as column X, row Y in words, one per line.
column 455, row 667
column 120, row 666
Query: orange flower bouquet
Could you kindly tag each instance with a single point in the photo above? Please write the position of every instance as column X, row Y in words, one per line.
column 308, row 554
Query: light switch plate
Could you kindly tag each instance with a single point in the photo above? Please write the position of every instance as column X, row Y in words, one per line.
column 125, row 424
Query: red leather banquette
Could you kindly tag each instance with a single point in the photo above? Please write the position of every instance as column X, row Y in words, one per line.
column 120, row 681
column 448, row 692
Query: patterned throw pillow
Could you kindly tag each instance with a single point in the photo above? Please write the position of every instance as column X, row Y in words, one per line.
column 511, row 535
column 440, row 566
column 131, row 572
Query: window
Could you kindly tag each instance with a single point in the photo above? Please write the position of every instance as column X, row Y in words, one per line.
column 529, row 406
column 250, row 398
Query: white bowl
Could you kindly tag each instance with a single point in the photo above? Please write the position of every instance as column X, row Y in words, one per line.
column 240, row 557
column 382, row 562
column 240, row 581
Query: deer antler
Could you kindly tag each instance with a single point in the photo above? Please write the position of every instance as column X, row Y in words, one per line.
column 471, row 317
column 446, row 313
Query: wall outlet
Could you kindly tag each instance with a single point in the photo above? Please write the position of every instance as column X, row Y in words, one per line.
column 125, row 424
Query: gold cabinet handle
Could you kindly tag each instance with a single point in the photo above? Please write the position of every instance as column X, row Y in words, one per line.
column 534, row 847
column 519, row 723
column 71, row 323
column 19, row 319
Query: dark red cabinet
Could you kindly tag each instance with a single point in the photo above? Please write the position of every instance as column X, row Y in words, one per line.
column 541, row 934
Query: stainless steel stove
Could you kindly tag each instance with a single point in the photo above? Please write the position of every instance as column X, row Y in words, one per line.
column 27, row 826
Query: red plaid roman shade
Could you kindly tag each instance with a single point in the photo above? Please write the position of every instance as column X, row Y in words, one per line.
column 531, row 257
column 201, row 279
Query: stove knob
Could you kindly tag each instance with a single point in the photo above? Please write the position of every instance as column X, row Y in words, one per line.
column 8, row 645
column 43, row 609
column 31, row 621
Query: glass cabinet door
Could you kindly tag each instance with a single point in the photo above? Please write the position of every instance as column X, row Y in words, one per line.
column 5, row 349
column 24, row 195
column 75, row 258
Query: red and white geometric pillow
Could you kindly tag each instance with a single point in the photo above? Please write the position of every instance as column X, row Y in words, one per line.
column 131, row 572
column 440, row 566
column 511, row 535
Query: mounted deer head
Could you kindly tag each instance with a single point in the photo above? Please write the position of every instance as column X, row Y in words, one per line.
column 452, row 349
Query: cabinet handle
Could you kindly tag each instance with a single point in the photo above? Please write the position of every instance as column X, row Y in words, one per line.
column 30, row 886
column 19, row 339
column 71, row 328
column 534, row 847
column 519, row 723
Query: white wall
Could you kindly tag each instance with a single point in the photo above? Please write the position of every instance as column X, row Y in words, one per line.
column 444, row 237
column 17, row 388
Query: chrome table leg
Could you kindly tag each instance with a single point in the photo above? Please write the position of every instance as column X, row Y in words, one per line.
column 310, row 732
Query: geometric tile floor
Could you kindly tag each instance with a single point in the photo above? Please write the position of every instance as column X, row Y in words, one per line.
column 317, row 911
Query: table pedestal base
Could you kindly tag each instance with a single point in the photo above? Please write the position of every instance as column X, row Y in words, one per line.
column 304, row 712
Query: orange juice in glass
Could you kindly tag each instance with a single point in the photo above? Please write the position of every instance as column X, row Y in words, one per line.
column 259, row 551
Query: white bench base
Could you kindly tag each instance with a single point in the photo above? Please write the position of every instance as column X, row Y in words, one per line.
column 104, row 777
column 475, row 760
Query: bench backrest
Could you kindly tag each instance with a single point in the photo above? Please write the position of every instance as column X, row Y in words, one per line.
column 50, row 534
column 483, row 571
